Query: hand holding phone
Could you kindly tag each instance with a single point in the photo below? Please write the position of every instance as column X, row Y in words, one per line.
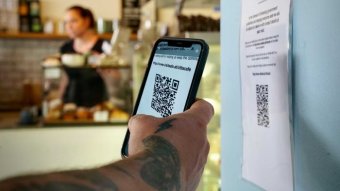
column 171, row 79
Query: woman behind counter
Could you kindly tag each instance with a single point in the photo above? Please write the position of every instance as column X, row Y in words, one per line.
column 82, row 86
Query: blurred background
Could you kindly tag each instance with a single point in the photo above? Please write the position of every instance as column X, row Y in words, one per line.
column 52, row 134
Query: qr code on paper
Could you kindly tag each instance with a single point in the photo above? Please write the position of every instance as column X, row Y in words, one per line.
column 262, row 105
column 164, row 95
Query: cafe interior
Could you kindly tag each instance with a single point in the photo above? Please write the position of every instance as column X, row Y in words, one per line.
column 39, row 130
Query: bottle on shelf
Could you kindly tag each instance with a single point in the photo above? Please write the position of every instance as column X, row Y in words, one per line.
column 24, row 24
column 36, row 25
column 23, row 10
column 34, row 16
column 34, row 8
column 29, row 16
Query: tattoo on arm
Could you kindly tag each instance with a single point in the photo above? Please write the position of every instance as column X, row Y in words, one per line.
column 161, row 168
column 165, row 125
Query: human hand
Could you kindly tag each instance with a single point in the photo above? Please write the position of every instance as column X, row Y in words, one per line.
column 179, row 142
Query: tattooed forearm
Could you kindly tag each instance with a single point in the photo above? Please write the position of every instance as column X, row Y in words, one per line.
column 85, row 180
column 161, row 164
column 96, row 178
column 118, row 167
column 52, row 186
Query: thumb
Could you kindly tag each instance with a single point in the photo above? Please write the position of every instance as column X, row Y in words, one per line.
column 141, row 126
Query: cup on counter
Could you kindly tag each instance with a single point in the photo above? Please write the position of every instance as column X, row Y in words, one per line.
column 73, row 60
column 28, row 116
column 49, row 26
column 100, row 25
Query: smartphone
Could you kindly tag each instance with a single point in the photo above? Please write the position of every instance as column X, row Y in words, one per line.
column 171, row 79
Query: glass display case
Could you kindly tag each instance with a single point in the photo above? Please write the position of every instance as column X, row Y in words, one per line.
column 115, row 108
column 210, row 90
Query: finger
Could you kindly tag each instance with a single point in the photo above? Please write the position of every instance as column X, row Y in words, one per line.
column 141, row 126
column 201, row 110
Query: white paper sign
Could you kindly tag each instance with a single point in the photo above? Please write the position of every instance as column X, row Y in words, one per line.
column 264, row 48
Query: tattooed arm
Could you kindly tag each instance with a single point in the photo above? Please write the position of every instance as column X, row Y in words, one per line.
column 165, row 154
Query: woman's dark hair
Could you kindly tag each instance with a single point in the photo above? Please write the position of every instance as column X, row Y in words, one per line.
column 84, row 13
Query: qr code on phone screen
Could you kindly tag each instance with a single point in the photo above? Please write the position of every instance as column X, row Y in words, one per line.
column 164, row 95
column 262, row 105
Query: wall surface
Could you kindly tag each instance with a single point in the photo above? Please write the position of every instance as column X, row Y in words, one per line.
column 316, row 69
column 20, row 64
column 316, row 107
column 108, row 9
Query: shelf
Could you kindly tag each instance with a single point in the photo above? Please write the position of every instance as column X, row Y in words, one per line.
column 32, row 36
column 91, row 67
column 61, row 123
column 44, row 36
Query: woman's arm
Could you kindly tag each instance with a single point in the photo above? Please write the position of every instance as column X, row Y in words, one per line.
column 63, row 83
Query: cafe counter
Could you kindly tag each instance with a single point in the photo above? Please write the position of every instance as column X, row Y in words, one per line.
column 35, row 150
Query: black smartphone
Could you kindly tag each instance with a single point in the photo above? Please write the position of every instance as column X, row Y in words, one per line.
column 171, row 78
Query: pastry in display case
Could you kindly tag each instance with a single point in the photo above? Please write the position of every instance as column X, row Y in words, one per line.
column 90, row 105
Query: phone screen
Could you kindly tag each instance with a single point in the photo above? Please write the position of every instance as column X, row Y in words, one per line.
column 169, row 79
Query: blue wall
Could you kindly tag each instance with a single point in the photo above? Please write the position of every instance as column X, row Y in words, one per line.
column 316, row 93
